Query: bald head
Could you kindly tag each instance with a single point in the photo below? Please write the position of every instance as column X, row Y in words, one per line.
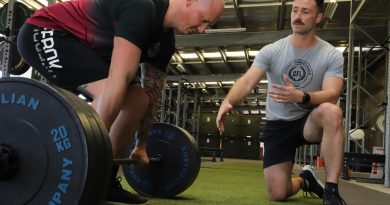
column 193, row 16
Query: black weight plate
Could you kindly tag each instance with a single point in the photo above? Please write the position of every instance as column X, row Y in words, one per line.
column 21, row 11
column 99, row 173
column 196, row 151
column 177, row 170
column 17, row 65
column 59, row 147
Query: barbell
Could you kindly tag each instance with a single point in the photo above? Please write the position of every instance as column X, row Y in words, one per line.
column 55, row 150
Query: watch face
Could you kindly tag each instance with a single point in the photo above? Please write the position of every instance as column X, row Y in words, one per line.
column 306, row 98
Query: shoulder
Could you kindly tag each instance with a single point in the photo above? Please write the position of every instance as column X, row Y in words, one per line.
column 279, row 43
column 326, row 45
column 276, row 46
column 137, row 6
column 329, row 48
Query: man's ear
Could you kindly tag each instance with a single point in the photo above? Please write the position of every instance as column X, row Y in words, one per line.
column 319, row 17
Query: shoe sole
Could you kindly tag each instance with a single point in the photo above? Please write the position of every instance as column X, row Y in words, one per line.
column 314, row 173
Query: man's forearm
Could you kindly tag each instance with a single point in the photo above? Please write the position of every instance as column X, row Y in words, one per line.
column 238, row 92
column 153, row 83
column 319, row 97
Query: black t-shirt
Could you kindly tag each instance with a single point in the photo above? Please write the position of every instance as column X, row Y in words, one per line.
column 96, row 22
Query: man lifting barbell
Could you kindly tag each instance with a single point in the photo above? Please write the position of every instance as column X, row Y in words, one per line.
column 100, row 44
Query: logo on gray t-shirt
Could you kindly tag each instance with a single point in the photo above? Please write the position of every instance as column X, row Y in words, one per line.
column 299, row 71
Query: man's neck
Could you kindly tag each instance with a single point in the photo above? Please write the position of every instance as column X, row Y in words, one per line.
column 303, row 41
column 170, row 15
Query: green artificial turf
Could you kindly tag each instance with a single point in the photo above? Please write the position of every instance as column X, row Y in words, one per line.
column 232, row 182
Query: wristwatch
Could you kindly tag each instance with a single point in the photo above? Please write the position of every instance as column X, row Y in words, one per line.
column 305, row 98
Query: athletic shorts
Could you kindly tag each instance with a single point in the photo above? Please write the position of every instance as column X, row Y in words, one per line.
column 61, row 58
column 281, row 138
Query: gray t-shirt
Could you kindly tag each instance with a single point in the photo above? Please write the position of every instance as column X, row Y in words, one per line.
column 306, row 69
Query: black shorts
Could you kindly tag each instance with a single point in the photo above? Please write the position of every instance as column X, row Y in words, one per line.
column 281, row 138
column 60, row 57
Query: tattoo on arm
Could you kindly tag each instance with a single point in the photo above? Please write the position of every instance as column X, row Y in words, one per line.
column 152, row 81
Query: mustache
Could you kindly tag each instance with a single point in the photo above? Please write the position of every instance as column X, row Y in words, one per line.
column 298, row 22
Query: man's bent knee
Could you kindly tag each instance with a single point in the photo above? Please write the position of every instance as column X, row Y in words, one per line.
column 278, row 195
column 331, row 112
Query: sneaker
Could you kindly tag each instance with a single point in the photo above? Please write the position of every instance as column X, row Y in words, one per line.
column 118, row 194
column 312, row 183
column 333, row 199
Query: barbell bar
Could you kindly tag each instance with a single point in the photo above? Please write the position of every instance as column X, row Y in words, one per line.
column 135, row 161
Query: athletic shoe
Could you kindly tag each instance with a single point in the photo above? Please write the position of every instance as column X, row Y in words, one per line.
column 118, row 194
column 333, row 199
column 312, row 183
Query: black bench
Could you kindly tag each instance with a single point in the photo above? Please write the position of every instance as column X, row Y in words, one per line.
column 360, row 160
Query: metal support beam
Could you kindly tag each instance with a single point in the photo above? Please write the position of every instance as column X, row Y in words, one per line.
column 184, row 111
column 7, row 49
column 181, row 62
column 357, row 11
column 266, row 37
column 248, row 62
column 387, row 117
column 239, row 13
column 178, row 103
column 204, row 78
column 163, row 101
column 282, row 15
column 224, row 57
column 370, row 37
column 201, row 58
column 359, row 83
column 169, row 105
column 267, row 4
column 197, row 123
column 350, row 66
column 194, row 113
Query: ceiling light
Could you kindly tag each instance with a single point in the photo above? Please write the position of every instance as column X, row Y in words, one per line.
column 235, row 54
column 341, row 49
column 263, row 81
column 227, row 82
column 225, row 30
column 253, row 53
column 189, row 55
column 255, row 112
column 212, row 55
column 43, row 2
column 211, row 83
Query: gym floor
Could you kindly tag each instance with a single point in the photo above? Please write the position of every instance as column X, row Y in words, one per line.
column 241, row 182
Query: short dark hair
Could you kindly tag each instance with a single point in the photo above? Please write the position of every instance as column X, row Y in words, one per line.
column 320, row 5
